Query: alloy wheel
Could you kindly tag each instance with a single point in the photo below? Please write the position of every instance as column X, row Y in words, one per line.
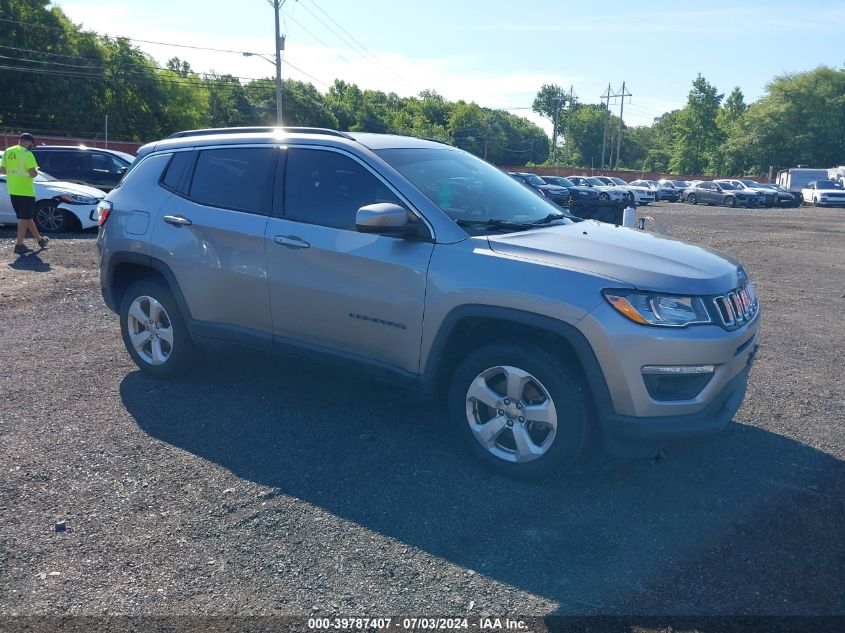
column 511, row 414
column 49, row 217
column 150, row 330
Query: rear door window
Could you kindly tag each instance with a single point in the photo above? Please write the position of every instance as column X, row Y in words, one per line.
column 235, row 178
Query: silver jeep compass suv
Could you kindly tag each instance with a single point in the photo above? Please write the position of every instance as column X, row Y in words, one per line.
column 430, row 267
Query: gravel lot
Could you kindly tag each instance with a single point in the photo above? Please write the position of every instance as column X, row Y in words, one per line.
column 261, row 486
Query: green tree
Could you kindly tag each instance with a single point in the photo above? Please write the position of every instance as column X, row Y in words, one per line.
column 697, row 135
column 550, row 102
column 730, row 158
column 799, row 120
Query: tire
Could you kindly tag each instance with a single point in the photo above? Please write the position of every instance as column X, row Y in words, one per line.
column 521, row 448
column 49, row 218
column 170, row 351
column 691, row 198
column 730, row 201
column 604, row 196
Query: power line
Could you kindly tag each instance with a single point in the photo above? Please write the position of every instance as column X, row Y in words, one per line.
column 352, row 42
column 131, row 39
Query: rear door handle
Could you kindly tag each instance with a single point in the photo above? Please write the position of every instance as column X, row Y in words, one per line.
column 290, row 241
column 177, row 220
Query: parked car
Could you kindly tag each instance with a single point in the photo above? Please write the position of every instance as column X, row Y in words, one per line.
column 680, row 185
column 101, row 168
column 606, row 193
column 824, row 193
column 558, row 195
column 724, row 194
column 577, row 193
column 660, row 192
column 785, row 197
column 641, row 194
column 60, row 206
column 535, row 330
column 766, row 196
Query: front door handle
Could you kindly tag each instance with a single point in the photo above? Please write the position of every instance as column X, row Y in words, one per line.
column 177, row 220
column 290, row 241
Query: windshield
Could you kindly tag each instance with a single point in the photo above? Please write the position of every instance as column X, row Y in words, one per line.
column 618, row 181
column 466, row 188
column 680, row 183
column 727, row 186
column 535, row 180
column 596, row 182
column 828, row 184
column 560, row 181
column 750, row 183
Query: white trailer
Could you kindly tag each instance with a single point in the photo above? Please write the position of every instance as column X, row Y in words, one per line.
column 837, row 174
column 796, row 178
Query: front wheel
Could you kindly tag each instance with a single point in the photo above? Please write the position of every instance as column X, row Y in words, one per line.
column 49, row 218
column 730, row 201
column 153, row 330
column 520, row 410
column 691, row 198
column 604, row 197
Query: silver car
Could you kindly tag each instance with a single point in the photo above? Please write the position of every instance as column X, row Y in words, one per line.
column 432, row 268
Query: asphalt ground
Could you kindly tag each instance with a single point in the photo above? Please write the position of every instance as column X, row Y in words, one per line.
column 265, row 486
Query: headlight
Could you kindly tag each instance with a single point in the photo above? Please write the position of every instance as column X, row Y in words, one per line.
column 648, row 308
column 74, row 198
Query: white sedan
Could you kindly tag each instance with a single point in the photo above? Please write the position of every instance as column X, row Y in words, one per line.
column 824, row 192
column 607, row 193
column 60, row 206
column 643, row 194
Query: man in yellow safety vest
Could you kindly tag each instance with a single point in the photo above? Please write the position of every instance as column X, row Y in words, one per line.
column 20, row 167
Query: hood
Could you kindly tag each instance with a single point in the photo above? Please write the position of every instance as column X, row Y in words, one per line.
column 58, row 187
column 646, row 261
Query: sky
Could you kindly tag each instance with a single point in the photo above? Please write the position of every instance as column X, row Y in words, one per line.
column 495, row 53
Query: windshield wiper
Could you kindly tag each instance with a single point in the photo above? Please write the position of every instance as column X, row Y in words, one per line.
column 496, row 224
column 552, row 217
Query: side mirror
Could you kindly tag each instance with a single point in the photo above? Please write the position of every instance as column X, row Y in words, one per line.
column 383, row 217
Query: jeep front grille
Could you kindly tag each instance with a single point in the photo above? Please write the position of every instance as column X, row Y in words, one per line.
column 737, row 307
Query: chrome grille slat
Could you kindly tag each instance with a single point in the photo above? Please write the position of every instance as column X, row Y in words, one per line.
column 737, row 307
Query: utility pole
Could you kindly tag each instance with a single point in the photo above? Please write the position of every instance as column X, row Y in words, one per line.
column 572, row 97
column 606, row 95
column 622, row 94
column 280, row 46
column 107, row 131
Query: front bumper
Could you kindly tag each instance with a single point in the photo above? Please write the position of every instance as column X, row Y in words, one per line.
column 713, row 418
column 622, row 348
column 83, row 212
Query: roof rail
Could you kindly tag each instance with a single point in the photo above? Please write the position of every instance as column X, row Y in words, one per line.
column 258, row 130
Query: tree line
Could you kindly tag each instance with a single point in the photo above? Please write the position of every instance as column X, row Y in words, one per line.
column 800, row 119
column 57, row 78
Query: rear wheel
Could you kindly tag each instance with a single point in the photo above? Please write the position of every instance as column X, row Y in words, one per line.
column 153, row 330
column 51, row 219
column 520, row 410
